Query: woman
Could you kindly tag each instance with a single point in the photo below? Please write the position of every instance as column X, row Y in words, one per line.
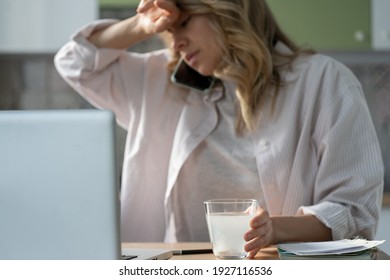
column 281, row 125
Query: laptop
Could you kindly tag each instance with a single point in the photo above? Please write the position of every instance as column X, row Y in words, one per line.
column 59, row 190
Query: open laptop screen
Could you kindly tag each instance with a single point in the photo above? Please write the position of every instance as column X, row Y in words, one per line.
column 59, row 193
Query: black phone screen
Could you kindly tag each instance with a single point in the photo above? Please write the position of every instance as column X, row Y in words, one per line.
column 187, row 76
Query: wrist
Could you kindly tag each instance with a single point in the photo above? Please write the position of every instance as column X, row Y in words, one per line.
column 141, row 26
column 304, row 228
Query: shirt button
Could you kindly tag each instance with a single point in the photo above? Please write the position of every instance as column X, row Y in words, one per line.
column 263, row 145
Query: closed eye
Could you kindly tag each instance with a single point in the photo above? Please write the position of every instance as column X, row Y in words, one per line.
column 185, row 21
column 180, row 24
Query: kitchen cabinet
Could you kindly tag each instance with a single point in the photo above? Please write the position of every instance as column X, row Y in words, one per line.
column 326, row 24
column 42, row 26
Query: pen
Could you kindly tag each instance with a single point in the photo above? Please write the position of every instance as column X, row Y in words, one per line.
column 192, row 252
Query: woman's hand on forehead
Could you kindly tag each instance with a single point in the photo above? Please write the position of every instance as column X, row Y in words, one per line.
column 158, row 15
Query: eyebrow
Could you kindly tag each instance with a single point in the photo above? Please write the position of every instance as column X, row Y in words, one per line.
column 183, row 17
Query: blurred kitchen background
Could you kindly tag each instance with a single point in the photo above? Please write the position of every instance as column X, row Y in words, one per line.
column 355, row 32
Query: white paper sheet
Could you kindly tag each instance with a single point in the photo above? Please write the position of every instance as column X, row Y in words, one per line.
column 329, row 247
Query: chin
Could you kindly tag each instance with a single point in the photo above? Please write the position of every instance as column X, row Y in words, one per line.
column 204, row 72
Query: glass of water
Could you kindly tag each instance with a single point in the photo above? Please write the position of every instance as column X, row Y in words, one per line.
column 228, row 220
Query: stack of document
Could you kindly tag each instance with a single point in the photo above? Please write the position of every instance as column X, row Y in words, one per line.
column 339, row 249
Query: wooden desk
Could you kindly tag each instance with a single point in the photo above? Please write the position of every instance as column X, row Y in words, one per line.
column 269, row 253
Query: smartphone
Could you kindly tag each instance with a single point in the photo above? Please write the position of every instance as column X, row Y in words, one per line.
column 188, row 77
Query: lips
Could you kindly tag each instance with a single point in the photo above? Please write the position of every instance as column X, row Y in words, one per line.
column 189, row 58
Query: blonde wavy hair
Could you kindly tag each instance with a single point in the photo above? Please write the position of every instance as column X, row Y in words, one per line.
column 247, row 33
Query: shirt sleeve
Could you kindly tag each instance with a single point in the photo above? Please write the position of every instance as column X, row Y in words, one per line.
column 349, row 184
column 102, row 76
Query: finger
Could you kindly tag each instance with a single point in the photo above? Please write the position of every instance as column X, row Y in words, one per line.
column 260, row 219
column 256, row 244
column 169, row 10
column 253, row 253
column 256, row 232
column 162, row 23
column 145, row 5
column 169, row 6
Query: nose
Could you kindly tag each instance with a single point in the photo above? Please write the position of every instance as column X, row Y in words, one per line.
column 178, row 41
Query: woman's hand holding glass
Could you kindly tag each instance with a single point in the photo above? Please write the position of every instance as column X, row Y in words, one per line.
column 261, row 233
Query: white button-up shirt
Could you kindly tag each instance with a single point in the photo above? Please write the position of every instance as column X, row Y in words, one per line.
column 317, row 153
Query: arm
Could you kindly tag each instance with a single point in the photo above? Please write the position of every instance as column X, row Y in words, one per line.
column 95, row 62
column 121, row 35
column 266, row 230
column 346, row 194
column 299, row 228
column 152, row 17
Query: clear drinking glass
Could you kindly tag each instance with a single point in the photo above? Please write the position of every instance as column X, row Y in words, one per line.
column 228, row 220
